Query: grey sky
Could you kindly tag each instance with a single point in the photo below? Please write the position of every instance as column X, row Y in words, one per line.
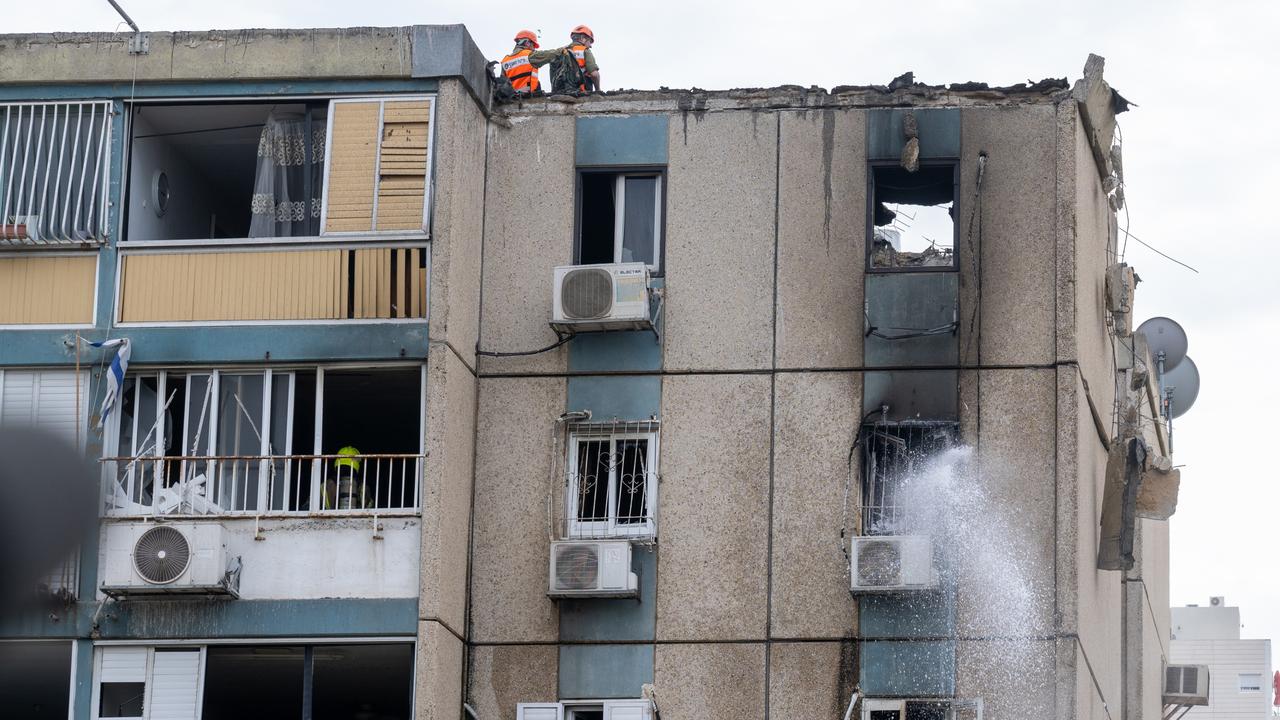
column 1198, row 164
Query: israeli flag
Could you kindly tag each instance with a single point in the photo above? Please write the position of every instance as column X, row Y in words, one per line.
column 115, row 376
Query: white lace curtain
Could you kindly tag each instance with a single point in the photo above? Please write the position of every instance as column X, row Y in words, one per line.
column 287, row 187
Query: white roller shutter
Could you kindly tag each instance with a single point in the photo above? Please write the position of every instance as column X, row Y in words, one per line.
column 539, row 711
column 174, row 693
column 123, row 664
column 628, row 710
column 45, row 399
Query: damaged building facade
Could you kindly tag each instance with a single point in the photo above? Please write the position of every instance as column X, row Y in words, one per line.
column 612, row 408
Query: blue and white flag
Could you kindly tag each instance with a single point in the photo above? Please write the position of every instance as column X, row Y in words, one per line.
column 115, row 376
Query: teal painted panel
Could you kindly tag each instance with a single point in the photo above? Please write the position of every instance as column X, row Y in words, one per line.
column 913, row 669
column 249, row 344
column 614, row 351
column 82, row 696
column 906, row 615
column 616, row 397
column 601, row 672
column 622, row 140
column 178, row 91
column 898, row 303
column 212, row 618
column 939, row 133
column 616, row 619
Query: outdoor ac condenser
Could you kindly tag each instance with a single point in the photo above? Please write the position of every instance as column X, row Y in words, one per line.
column 601, row 297
column 147, row 558
column 887, row 563
column 1186, row 685
column 600, row 568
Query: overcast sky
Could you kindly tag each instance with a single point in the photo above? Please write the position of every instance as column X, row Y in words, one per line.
column 1198, row 165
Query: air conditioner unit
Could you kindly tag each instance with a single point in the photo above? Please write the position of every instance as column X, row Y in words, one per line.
column 1186, row 685
column 932, row 709
column 886, row 563
column 168, row 559
column 592, row 569
column 601, row 297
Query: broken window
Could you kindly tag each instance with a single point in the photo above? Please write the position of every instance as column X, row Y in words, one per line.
column 620, row 218
column 55, row 160
column 912, row 217
column 239, row 170
column 35, row 679
column 279, row 440
column 612, row 480
column 891, row 454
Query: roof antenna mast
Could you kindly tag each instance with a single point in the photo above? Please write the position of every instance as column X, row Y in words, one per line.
column 139, row 44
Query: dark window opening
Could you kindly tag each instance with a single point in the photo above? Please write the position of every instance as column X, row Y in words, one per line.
column 620, row 218
column 252, row 682
column 891, row 454
column 913, row 217
column 927, row 711
column 121, row 699
column 347, row 682
column 226, row 171
column 377, row 412
column 35, row 680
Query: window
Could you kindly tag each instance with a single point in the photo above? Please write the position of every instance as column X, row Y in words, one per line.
column 891, row 453
column 266, row 441
column 213, row 171
column 54, row 164
column 292, row 169
column 46, row 399
column 612, row 481
column 229, row 682
column 35, row 679
column 1250, row 682
column 912, row 217
column 620, row 218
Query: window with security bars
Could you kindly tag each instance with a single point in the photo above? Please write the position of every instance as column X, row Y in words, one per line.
column 612, row 481
column 54, row 165
column 891, row 453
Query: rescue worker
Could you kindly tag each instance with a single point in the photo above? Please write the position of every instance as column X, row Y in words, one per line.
column 519, row 66
column 347, row 469
column 582, row 39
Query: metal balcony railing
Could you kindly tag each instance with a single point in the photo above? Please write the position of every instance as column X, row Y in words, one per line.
column 210, row 485
column 54, row 164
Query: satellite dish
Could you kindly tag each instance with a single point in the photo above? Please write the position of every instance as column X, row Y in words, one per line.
column 1165, row 335
column 1183, row 385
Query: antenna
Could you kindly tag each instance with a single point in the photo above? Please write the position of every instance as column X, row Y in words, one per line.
column 139, row 44
column 1179, row 378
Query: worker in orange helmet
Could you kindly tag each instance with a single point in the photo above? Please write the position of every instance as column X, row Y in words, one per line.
column 521, row 66
column 582, row 39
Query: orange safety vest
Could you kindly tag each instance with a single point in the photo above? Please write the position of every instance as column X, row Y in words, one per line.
column 522, row 74
column 580, row 54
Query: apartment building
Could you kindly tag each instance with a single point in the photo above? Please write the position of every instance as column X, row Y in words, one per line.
column 425, row 464
column 1239, row 669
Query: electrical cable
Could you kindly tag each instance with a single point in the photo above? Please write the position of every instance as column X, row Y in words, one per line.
column 521, row 353
column 1153, row 249
column 844, row 517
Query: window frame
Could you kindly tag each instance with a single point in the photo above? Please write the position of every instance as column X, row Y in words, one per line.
column 621, row 172
column 869, row 240
column 610, row 528
column 328, row 99
column 208, row 443
column 1240, row 683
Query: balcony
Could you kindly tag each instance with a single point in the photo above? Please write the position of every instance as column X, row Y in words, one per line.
column 262, row 485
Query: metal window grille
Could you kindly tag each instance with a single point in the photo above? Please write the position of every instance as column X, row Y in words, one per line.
column 211, row 485
column 891, row 454
column 54, row 161
column 611, row 480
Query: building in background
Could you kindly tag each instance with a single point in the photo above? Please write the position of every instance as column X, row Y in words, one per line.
column 719, row 404
column 1240, row 672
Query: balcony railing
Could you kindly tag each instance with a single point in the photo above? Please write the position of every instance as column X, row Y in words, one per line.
column 209, row 485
